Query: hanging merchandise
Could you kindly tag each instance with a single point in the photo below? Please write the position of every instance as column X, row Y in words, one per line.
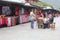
column 22, row 10
column 29, row 19
column 26, row 18
column 26, row 11
column 23, row 18
column 3, row 21
column 6, row 10
column 17, row 20
column 0, row 10
column 16, row 11
column 21, row 21
column 13, row 21
column 0, row 22
column 8, row 21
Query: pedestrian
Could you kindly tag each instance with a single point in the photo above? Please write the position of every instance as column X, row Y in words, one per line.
column 32, row 16
column 46, row 22
column 51, row 18
column 40, row 17
column 40, row 22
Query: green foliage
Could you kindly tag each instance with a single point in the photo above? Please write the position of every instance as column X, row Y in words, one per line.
column 42, row 4
column 58, row 8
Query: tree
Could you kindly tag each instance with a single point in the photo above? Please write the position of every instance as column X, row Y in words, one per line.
column 42, row 4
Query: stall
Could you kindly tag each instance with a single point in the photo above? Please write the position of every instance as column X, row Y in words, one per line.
column 16, row 13
column 25, row 17
column 11, row 12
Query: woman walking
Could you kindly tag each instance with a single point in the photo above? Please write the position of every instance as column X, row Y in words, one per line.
column 40, row 19
column 32, row 16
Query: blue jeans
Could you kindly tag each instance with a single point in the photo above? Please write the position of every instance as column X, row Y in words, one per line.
column 32, row 24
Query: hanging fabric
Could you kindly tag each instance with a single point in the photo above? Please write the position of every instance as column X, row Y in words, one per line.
column 8, row 21
column 16, row 11
column 13, row 21
column 6, row 10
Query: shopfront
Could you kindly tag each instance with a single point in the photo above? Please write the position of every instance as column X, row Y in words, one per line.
column 15, row 13
column 25, row 17
column 10, row 11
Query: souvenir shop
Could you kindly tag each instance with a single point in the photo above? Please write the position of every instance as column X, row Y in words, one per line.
column 12, row 13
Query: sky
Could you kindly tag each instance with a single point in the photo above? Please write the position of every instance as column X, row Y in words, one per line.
column 55, row 3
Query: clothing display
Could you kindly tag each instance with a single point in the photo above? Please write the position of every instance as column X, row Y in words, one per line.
column 29, row 19
column 8, row 21
column 6, row 10
column 23, row 18
column 13, row 20
column 16, row 11
column 17, row 20
column 2, row 21
column 21, row 21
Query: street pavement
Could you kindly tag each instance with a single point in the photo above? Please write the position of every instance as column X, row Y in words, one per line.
column 24, row 32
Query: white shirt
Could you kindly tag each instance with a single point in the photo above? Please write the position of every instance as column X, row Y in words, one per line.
column 32, row 16
column 46, row 19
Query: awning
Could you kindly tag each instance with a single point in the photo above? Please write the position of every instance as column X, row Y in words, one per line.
column 7, row 3
column 46, row 8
